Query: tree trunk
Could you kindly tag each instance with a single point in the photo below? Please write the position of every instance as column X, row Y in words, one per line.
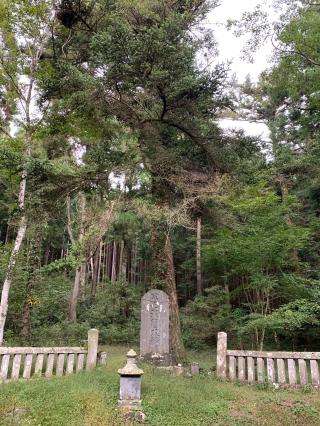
column 114, row 263
column 47, row 255
column 24, row 96
column 95, row 271
column 123, row 261
column 198, row 258
column 99, row 264
column 14, row 254
column 34, row 251
column 162, row 277
column 8, row 231
column 72, row 316
column 26, row 311
column 120, row 259
column 176, row 343
column 104, row 261
column 134, row 262
column 81, row 268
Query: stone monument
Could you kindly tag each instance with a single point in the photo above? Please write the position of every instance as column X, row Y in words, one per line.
column 154, row 331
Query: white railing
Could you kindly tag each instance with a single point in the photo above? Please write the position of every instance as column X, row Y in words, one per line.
column 282, row 368
column 27, row 362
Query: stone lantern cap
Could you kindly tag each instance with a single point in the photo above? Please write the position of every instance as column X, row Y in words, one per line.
column 131, row 368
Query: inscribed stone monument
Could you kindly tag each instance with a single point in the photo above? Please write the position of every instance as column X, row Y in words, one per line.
column 154, row 332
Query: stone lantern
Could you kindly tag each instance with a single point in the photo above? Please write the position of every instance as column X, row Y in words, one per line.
column 130, row 383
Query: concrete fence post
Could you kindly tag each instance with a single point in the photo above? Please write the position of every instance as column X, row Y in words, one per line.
column 93, row 336
column 102, row 358
column 222, row 356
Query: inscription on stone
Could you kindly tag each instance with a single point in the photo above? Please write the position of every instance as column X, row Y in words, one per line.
column 154, row 332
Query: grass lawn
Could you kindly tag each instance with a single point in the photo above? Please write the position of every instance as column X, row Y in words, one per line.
column 90, row 399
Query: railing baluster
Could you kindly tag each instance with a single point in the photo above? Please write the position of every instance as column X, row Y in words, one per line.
column 303, row 373
column 260, row 370
column 281, row 371
column 270, row 370
column 292, row 372
column 27, row 366
column 241, row 368
column 16, row 367
column 250, row 369
column 232, row 368
column 4, row 367
column 39, row 365
column 60, row 365
column 314, row 372
column 70, row 363
column 80, row 362
column 50, row 363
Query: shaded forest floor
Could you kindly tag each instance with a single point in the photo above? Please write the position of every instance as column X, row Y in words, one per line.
column 90, row 399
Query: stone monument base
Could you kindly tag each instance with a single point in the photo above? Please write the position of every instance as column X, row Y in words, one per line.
column 160, row 360
column 126, row 404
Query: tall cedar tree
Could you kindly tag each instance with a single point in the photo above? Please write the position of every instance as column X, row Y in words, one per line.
column 141, row 62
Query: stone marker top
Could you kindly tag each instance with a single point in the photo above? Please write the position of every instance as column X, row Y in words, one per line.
column 131, row 368
column 155, row 295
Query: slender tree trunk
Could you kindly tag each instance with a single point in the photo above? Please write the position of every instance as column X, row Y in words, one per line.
column 123, row 261
column 134, row 262
column 80, row 270
column 198, row 258
column 8, row 231
column 24, row 94
column 120, row 257
column 114, row 263
column 83, row 273
column 14, row 253
column 106, row 260
column 26, row 311
column 130, row 262
column 103, row 264
column 95, row 272
column 72, row 316
column 176, row 343
column 47, row 254
column 99, row 265
column 34, row 249
column 8, row 277
column 109, row 260
column 162, row 276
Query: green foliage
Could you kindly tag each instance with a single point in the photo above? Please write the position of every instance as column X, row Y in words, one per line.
column 289, row 320
column 255, row 255
column 259, row 237
column 116, row 313
column 204, row 317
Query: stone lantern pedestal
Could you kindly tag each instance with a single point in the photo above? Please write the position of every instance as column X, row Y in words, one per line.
column 130, row 383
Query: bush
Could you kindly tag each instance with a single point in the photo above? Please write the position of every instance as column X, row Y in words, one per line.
column 116, row 313
column 204, row 317
column 61, row 334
